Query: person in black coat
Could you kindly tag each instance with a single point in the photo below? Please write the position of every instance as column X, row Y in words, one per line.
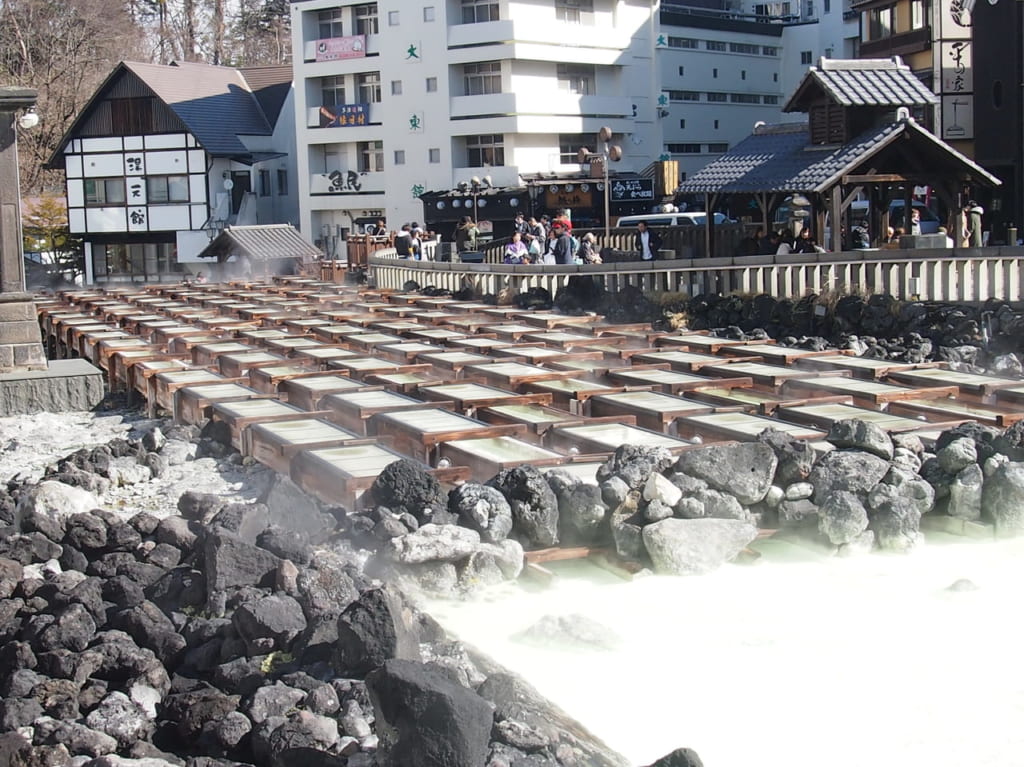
column 647, row 241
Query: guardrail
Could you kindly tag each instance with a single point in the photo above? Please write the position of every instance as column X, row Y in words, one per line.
column 962, row 275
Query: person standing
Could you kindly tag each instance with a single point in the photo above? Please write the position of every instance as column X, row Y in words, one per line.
column 974, row 212
column 646, row 241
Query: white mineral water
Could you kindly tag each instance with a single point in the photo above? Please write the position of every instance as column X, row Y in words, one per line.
column 798, row 660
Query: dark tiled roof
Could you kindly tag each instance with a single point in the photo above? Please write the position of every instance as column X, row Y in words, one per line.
column 215, row 103
column 780, row 158
column 862, row 82
column 261, row 243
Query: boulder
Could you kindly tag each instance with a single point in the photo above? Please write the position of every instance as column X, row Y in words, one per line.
column 744, row 470
column 695, row 546
column 277, row 617
column 1002, row 499
column 424, row 718
column 405, row 486
column 483, row 509
column 851, row 470
column 53, row 499
column 842, row 518
column 433, row 543
column 374, row 628
column 533, row 503
column 856, row 434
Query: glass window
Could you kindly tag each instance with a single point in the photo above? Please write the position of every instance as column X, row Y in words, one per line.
column 484, row 150
column 366, row 19
column 573, row 11
column 166, row 189
column 104, row 191
column 479, row 11
column 371, row 156
column 570, row 144
column 682, row 42
column 431, row 84
column 434, row 155
column 368, row 87
column 332, row 90
column 577, row 79
column 329, row 24
column 399, row 157
column 481, row 78
column 282, row 181
column 428, row 13
column 264, row 180
column 396, row 87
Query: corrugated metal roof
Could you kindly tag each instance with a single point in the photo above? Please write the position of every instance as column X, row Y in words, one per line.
column 261, row 243
column 780, row 158
column 862, row 82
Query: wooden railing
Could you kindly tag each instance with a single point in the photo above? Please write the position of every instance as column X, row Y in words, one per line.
column 965, row 275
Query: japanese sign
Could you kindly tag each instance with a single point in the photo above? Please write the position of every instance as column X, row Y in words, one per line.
column 625, row 190
column 335, row 48
column 344, row 115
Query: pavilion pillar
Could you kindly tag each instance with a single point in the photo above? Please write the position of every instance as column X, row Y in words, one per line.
column 21, row 346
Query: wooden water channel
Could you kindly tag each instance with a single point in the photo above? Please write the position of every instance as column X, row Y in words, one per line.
column 329, row 384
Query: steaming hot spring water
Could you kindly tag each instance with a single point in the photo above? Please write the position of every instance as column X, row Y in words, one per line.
column 799, row 659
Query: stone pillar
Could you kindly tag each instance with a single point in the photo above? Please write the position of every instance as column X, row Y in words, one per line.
column 21, row 346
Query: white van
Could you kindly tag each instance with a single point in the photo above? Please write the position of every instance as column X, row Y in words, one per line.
column 660, row 220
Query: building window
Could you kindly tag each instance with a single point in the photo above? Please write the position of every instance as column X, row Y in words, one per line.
column 434, row 156
column 744, row 48
column 718, row 148
column 573, row 11
column 368, row 87
column 399, row 157
column 481, row 78
column 104, row 191
column 718, row 97
column 392, row 18
column 769, row 50
column 479, row 11
column 771, row 100
column 166, row 189
column 264, row 180
column 485, row 150
column 744, row 98
column 131, row 117
column 282, row 181
column 329, row 24
column 366, row 19
column 371, row 156
column 683, row 42
column 570, row 144
column 684, row 148
column 714, row 45
column 880, row 23
column 684, row 95
column 806, row 57
column 332, row 90
column 577, row 79
column 396, row 87
column 428, row 13
column 431, row 84
column 918, row 14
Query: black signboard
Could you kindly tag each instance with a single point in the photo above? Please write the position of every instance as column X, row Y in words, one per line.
column 624, row 190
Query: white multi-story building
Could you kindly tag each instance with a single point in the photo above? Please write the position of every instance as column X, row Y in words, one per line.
column 164, row 157
column 396, row 99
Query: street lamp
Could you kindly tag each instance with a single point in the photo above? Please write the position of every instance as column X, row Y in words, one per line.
column 608, row 153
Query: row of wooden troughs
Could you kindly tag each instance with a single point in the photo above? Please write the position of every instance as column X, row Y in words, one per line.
column 330, row 384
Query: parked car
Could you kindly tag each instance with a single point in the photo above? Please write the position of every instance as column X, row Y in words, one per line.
column 696, row 218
